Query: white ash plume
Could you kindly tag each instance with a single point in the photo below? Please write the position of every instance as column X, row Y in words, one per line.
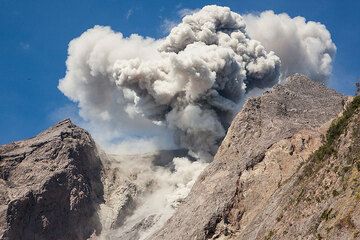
column 190, row 82
column 138, row 94
column 149, row 194
column 304, row 47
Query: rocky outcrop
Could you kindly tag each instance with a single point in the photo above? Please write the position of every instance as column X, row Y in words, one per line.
column 321, row 199
column 50, row 185
column 236, row 197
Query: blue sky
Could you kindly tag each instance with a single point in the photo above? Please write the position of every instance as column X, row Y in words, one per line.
column 35, row 34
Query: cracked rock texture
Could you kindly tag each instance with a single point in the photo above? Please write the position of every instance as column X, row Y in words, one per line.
column 238, row 196
column 50, row 185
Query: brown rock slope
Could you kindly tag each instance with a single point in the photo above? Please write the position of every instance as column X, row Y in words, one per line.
column 252, row 189
column 320, row 201
column 50, row 185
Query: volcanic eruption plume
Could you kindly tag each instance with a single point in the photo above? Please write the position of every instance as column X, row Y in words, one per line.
column 190, row 82
column 138, row 94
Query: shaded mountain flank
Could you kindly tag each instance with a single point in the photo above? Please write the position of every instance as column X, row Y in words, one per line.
column 288, row 168
column 50, row 185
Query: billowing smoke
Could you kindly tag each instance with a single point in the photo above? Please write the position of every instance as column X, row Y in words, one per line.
column 303, row 47
column 190, row 82
column 187, row 86
column 151, row 196
column 138, row 94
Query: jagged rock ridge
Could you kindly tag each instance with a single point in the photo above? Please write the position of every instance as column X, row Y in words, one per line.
column 222, row 201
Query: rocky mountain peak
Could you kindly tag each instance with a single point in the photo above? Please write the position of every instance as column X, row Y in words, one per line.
column 298, row 104
column 50, row 185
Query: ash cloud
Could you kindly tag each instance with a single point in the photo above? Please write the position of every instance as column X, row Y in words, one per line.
column 183, row 90
column 303, row 46
column 188, row 83
column 138, row 94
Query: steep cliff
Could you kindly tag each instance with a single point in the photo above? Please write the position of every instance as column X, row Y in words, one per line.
column 319, row 201
column 237, row 195
column 50, row 185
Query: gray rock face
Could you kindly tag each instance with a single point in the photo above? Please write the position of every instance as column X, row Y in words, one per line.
column 297, row 105
column 50, row 185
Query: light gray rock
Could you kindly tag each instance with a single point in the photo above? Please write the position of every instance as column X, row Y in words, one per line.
column 50, row 185
column 319, row 200
column 297, row 105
